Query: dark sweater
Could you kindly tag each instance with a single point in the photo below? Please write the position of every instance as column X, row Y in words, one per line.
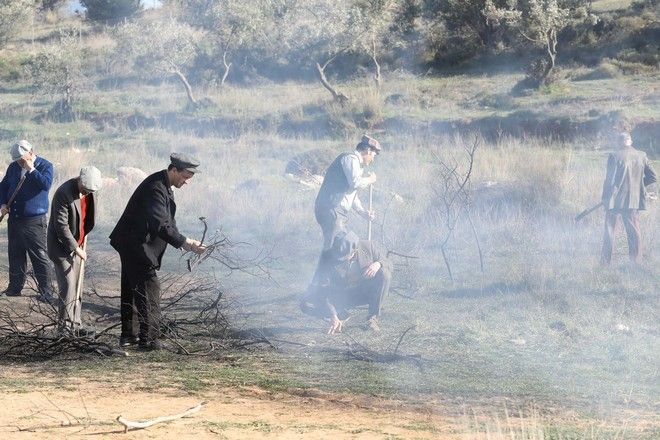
column 32, row 199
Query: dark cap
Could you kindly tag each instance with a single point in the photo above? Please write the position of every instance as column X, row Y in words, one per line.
column 367, row 142
column 344, row 244
column 184, row 162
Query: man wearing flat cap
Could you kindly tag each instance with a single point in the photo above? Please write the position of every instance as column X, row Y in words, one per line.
column 338, row 193
column 72, row 218
column 351, row 273
column 24, row 196
column 141, row 236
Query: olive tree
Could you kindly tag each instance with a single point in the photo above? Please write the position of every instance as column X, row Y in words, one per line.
column 539, row 22
column 231, row 24
column 321, row 31
column 160, row 49
column 58, row 71
column 14, row 14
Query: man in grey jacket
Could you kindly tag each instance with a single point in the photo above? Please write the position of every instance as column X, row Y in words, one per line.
column 624, row 195
column 338, row 193
column 72, row 218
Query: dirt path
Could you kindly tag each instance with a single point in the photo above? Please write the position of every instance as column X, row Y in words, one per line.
column 87, row 409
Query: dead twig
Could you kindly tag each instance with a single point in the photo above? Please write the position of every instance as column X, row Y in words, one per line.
column 142, row 424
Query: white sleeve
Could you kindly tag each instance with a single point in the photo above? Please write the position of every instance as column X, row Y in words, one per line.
column 353, row 172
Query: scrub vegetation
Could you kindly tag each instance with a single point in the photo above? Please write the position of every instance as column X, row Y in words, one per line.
column 540, row 342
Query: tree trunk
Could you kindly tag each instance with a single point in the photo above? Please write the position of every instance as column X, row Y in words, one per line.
column 186, row 84
column 227, row 67
column 377, row 78
column 551, row 41
column 337, row 95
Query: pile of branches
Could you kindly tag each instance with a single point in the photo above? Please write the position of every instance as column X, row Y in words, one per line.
column 194, row 310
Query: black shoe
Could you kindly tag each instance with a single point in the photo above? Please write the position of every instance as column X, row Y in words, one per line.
column 127, row 341
column 150, row 346
column 46, row 297
column 11, row 292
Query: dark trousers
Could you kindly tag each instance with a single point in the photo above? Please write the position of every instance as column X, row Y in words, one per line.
column 332, row 221
column 27, row 237
column 371, row 292
column 630, row 219
column 140, row 299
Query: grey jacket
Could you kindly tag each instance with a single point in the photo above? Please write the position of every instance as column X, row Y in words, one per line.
column 64, row 225
column 628, row 175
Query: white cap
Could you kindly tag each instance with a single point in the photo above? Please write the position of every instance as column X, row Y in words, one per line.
column 90, row 178
column 20, row 149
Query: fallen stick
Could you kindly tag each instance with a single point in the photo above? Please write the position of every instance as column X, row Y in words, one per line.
column 132, row 424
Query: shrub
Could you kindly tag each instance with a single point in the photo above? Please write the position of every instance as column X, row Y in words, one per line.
column 14, row 14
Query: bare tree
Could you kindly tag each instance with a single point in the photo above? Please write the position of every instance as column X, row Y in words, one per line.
column 451, row 188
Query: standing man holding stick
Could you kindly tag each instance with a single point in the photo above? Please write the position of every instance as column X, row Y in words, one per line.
column 141, row 236
column 624, row 195
column 24, row 196
column 72, row 218
column 338, row 193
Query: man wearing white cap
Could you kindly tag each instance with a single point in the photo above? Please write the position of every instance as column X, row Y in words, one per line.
column 24, row 196
column 72, row 218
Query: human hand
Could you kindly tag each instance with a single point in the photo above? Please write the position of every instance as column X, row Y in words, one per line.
column 81, row 253
column 4, row 209
column 193, row 245
column 372, row 269
column 371, row 176
column 27, row 161
column 368, row 214
column 335, row 325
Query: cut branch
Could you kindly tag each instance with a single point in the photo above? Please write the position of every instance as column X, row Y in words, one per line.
column 131, row 424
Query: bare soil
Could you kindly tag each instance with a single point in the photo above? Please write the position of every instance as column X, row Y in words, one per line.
column 82, row 409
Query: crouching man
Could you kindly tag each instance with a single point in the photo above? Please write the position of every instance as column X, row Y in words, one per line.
column 72, row 218
column 351, row 273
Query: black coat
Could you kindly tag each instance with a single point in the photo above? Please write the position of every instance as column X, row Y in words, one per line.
column 64, row 225
column 147, row 224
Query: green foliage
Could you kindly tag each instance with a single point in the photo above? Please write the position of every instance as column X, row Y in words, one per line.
column 14, row 14
column 111, row 10
column 58, row 72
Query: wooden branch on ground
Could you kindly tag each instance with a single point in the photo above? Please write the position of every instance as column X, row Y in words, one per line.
column 142, row 424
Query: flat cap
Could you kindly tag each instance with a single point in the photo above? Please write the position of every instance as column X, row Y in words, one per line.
column 184, row 162
column 344, row 244
column 90, row 178
column 371, row 143
column 20, row 149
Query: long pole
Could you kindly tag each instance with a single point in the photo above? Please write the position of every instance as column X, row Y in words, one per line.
column 371, row 199
column 79, row 285
column 13, row 196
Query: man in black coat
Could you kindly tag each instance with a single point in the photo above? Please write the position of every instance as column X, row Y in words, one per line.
column 141, row 236
column 351, row 273
column 72, row 218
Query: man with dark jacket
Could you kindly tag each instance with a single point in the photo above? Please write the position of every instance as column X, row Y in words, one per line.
column 338, row 193
column 624, row 195
column 351, row 273
column 28, row 179
column 141, row 236
column 72, row 217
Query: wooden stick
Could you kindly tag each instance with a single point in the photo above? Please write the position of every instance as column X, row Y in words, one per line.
column 371, row 199
column 142, row 424
column 81, row 276
column 13, row 196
